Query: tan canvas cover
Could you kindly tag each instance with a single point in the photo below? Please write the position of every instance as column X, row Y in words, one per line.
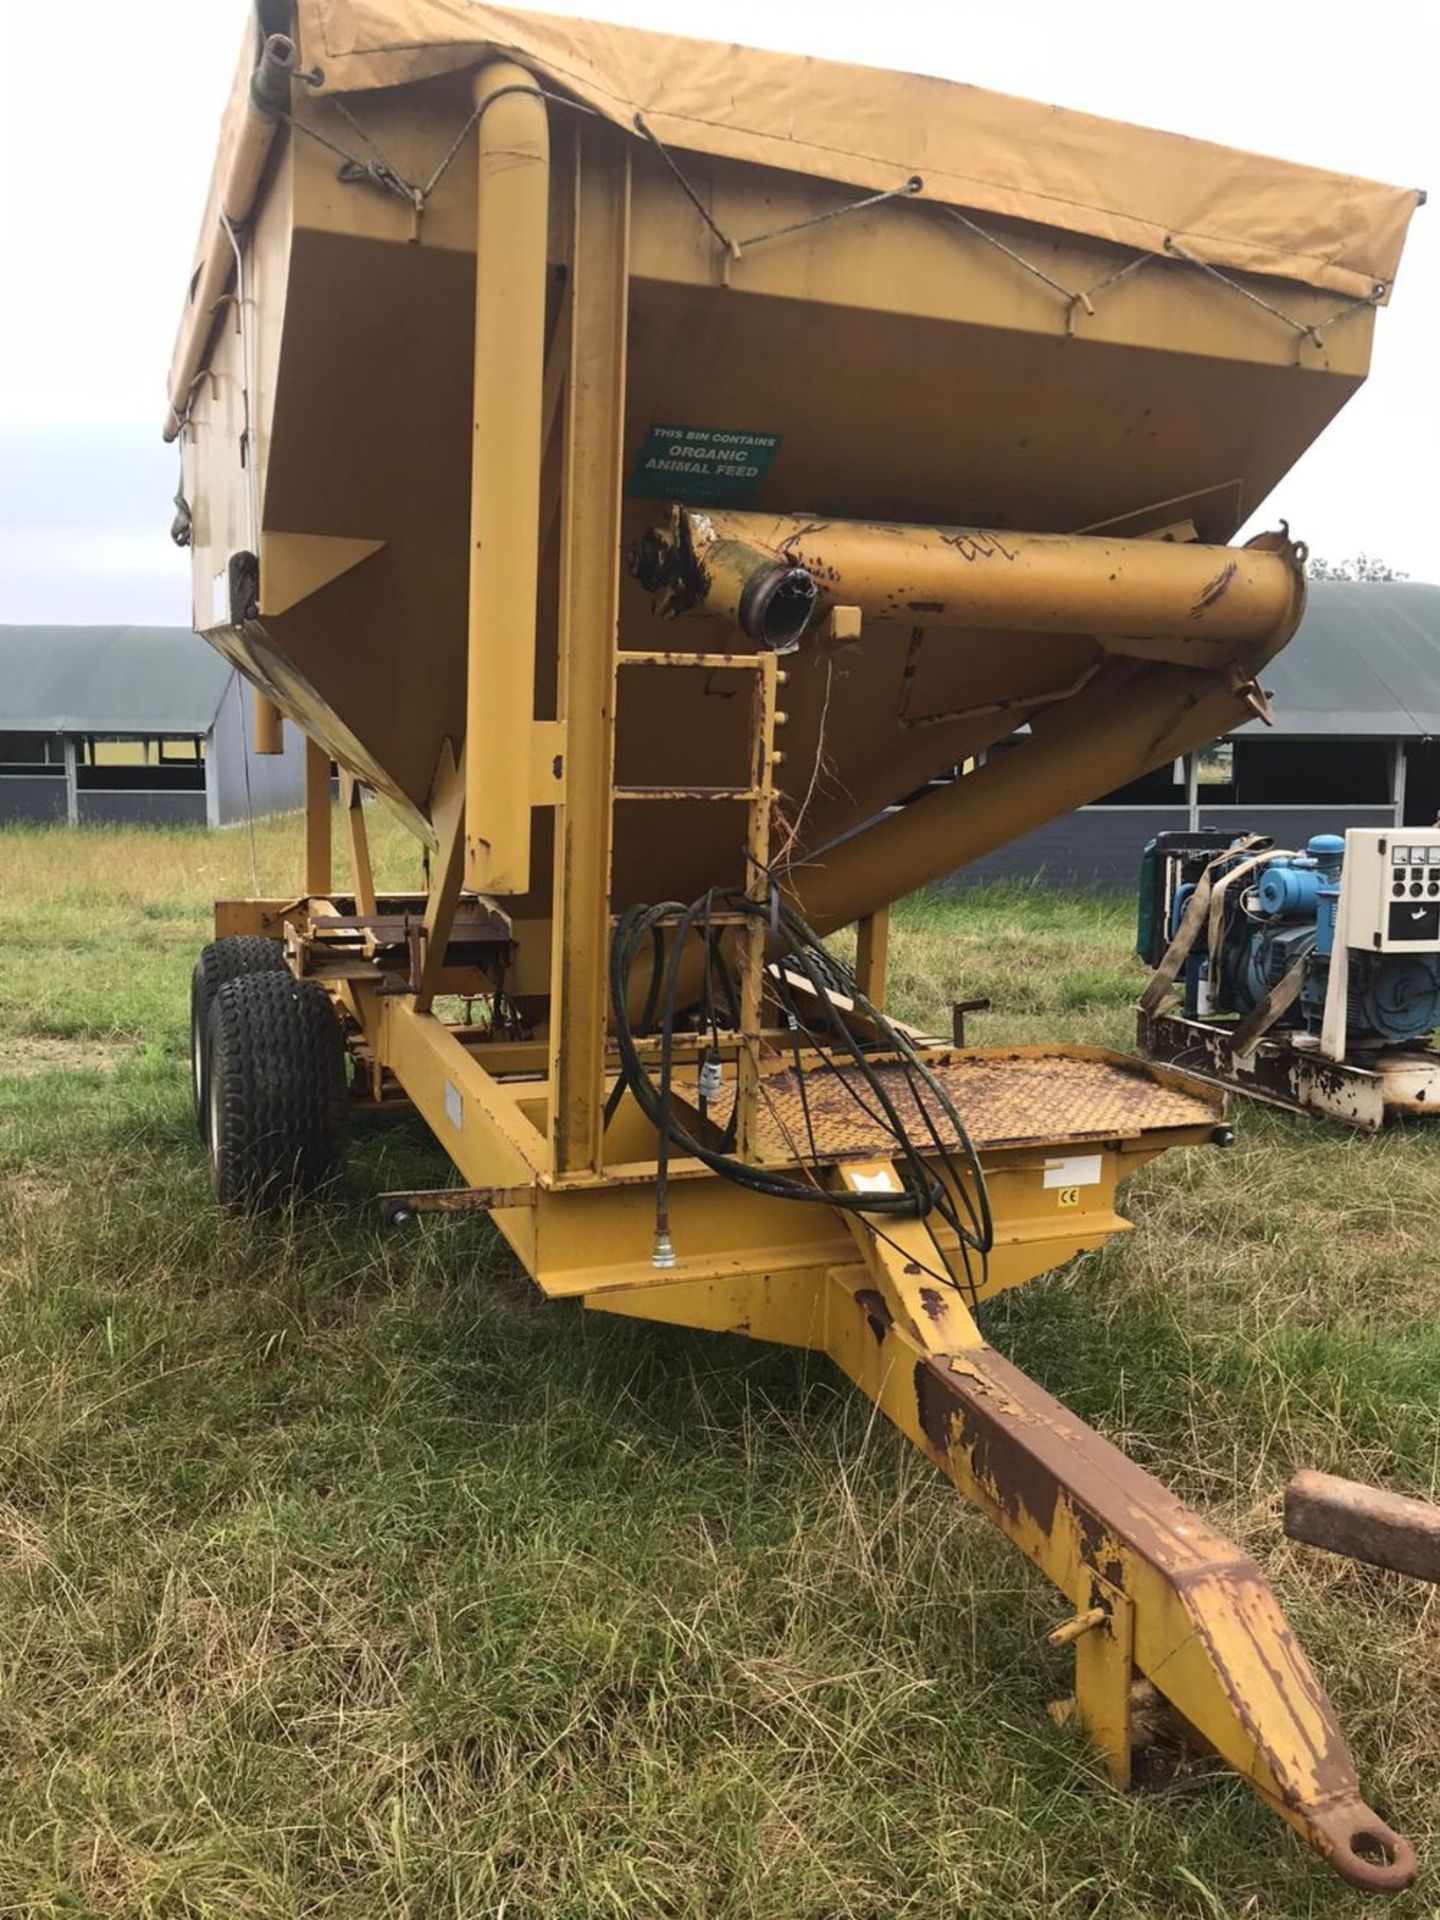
column 861, row 127
column 872, row 129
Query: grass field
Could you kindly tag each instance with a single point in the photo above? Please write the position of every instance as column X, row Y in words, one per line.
column 341, row 1576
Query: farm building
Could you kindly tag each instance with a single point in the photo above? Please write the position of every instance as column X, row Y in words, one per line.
column 1356, row 743
column 142, row 725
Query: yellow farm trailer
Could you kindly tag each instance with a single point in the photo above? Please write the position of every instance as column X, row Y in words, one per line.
column 646, row 466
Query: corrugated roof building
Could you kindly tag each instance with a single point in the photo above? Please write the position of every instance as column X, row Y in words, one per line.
column 132, row 724
column 1365, row 663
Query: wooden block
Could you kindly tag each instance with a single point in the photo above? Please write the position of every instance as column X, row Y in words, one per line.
column 1364, row 1523
column 839, row 628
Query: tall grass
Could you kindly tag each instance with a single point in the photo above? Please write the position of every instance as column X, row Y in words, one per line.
column 342, row 1576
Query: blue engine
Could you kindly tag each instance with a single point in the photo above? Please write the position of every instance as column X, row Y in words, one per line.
column 1285, row 914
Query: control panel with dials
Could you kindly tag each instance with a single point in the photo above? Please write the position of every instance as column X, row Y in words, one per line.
column 1392, row 889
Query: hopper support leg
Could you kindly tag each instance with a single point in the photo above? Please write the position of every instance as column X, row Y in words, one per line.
column 872, row 955
column 362, row 880
column 595, row 321
column 318, row 879
column 447, row 811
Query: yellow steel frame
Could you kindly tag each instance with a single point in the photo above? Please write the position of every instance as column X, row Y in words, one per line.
column 589, row 621
column 1155, row 1594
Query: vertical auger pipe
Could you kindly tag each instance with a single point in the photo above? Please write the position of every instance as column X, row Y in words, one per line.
column 512, row 232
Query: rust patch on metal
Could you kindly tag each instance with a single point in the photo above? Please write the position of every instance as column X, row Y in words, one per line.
column 669, row 570
column 934, row 1404
column 1214, row 590
column 877, row 1312
column 1028, row 1450
column 957, row 1414
column 1099, row 1550
column 1276, row 1072
column 933, row 1301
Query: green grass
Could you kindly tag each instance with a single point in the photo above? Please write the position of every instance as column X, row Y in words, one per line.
column 342, row 1576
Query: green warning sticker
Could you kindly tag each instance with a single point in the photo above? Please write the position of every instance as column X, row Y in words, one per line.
column 701, row 466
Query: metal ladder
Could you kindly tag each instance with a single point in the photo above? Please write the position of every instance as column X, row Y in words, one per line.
column 758, row 798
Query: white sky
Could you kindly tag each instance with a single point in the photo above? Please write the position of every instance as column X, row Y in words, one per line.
column 105, row 150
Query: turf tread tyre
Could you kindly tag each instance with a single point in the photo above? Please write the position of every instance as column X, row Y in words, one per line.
column 277, row 1095
column 222, row 960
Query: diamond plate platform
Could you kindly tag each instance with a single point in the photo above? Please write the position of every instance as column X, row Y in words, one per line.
column 1005, row 1099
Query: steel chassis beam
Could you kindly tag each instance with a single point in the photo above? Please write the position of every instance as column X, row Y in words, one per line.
column 1155, row 1593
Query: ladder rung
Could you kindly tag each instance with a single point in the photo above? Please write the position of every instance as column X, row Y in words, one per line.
column 739, row 662
column 687, row 793
column 711, row 920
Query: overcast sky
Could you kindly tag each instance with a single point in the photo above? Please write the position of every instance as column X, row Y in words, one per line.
column 106, row 140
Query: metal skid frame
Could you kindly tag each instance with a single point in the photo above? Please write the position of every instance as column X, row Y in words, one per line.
column 1283, row 1070
column 1153, row 1593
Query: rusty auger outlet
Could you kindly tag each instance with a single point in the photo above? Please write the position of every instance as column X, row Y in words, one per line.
column 413, row 535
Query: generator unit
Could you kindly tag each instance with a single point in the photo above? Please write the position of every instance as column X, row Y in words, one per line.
column 1307, row 978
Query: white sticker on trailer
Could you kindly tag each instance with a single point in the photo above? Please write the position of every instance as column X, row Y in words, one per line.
column 874, row 1182
column 1079, row 1170
column 454, row 1106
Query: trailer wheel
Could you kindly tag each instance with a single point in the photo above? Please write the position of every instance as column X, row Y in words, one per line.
column 222, row 960
column 276, row 1093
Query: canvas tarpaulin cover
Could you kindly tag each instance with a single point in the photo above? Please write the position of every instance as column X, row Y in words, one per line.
column 872, row 129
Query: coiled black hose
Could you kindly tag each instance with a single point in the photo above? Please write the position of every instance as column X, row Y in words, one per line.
column 792, row 947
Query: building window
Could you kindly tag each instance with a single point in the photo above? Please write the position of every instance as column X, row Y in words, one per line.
column 1215, row 778
column 173, row 764
column 1317, row 773
column 1164, row 787
column 31, row 753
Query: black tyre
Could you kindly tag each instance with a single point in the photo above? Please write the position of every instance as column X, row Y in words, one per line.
column 222, row 960
column 276, row 1087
